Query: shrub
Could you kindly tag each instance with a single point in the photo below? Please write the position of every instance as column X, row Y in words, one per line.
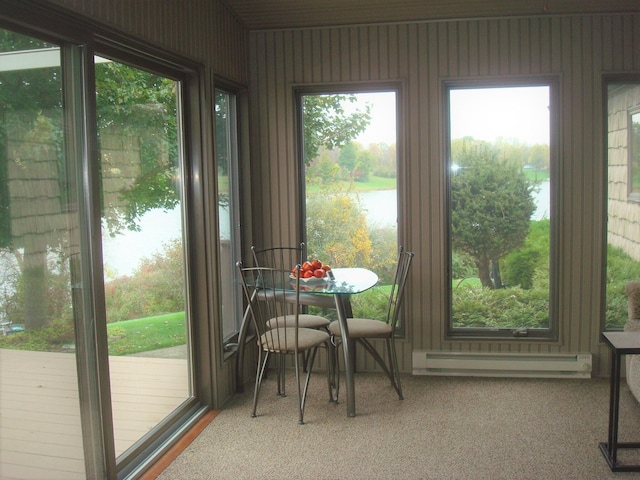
column 156, row 287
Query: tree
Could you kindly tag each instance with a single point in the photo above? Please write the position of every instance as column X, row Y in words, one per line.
column 327, row 124
column 539, row 157
column 491, row 208
column 132, row 103
column 337, row 230
column 348, row 158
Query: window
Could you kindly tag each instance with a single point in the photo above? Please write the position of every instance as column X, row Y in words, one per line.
column 622, row 100
column 501, row 173
column 350, row 184
column 228, row 212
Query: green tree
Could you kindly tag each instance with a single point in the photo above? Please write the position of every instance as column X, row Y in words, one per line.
column 491, row 207
column 363, row 166
column 327, row 124
column 337, row 230
column 135, row 103
column 539, row 157
column 348, row 158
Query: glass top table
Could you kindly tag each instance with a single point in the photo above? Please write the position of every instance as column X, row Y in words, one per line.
column 341, row 283
column 345, row 281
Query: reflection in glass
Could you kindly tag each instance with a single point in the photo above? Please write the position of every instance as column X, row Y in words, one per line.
column 143, row 247
column 623, row 198
column 226, row 163
column 40, row 430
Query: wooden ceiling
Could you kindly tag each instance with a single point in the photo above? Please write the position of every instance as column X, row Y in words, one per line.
column 278, row 14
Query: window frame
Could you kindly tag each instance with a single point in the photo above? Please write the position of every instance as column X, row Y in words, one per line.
column 521, row 335
column 237, row 97
column 397, row 87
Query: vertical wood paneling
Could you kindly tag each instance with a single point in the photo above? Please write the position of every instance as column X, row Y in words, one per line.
column 203, row 30
column 575, row 48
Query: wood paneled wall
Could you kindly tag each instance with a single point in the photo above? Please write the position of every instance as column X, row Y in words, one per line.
column 202, row 30
column 577, row 49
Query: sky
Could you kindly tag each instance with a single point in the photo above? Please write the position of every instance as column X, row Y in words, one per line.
column 489, row 113
column 382, row 128
column 484, row 114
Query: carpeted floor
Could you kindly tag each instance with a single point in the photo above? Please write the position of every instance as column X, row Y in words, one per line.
column 445, row 428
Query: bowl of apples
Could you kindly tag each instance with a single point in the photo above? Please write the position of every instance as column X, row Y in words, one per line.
column 312, row 272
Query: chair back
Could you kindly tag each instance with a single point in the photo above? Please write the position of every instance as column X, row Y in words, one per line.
column 281, row 258
column 269, row 305
column 286, row 258
column 396, row 295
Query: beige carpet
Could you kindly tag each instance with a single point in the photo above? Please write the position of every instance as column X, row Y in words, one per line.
column 445, row 428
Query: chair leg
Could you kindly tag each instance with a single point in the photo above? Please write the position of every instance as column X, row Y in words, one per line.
column 280, row 364
column 302, row 391
column 393, row 360
column 303, row 398
column 376, row 356
column 262, row 363
column 391, row 370
column 331, row 369
column 335, row 383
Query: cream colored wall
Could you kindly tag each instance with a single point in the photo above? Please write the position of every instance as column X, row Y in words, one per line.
column 577, row 49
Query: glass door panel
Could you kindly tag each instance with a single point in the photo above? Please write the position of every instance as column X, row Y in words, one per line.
column 40, row 427
column 143, row 236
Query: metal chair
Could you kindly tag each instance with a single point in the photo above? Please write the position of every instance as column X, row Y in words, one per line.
column 363, row 330
column 286, row 258
column 273, row 302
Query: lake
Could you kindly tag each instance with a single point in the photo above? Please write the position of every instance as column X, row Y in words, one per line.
column 159, row 227
column 381, row 205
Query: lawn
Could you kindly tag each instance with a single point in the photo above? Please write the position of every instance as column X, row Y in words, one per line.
column 143, row 334
column 374, row 183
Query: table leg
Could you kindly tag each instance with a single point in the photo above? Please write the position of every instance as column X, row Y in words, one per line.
column 614, row 407
column 347, row 347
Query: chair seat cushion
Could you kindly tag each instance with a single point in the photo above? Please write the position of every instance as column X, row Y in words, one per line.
column 362, row 328
column 282, row 340
column 304, row 321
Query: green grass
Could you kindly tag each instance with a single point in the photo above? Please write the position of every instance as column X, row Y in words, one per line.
column 537, row 175
column 143, row 334
column 374, row 183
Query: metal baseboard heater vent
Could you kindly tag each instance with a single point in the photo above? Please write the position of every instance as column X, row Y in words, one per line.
column 502, row 364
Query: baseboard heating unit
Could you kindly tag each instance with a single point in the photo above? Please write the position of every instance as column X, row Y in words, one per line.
column 502, row 364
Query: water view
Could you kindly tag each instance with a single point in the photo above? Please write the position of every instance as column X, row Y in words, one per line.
column 159, row 227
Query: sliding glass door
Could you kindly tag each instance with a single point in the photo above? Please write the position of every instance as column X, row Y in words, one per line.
column 41, row 434
column 96, row 322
